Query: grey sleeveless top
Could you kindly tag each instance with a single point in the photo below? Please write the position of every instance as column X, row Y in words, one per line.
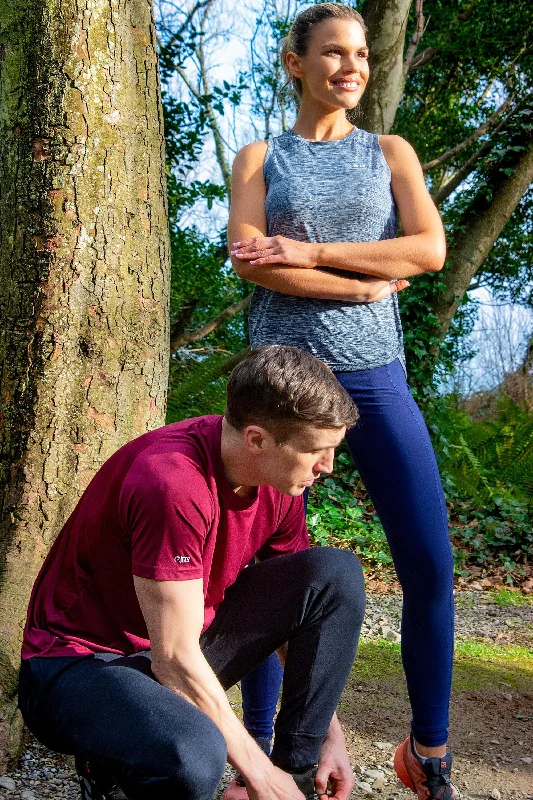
column 334, row 191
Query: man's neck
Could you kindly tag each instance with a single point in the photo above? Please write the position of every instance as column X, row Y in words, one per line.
column 237, row 467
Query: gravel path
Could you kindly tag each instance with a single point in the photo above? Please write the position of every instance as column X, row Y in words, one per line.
column 43, row 774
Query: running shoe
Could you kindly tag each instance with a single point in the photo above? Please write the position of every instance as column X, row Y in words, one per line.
column 429, row 779
column 96, row 783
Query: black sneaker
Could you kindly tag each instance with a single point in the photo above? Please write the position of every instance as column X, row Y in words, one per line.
column 305, row 781
column 97, row 783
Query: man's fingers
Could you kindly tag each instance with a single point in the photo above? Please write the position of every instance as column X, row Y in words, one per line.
column 321, row 781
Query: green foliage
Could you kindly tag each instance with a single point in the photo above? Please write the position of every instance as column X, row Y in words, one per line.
column 509, row 598
column 487, row 473
column 337, row 518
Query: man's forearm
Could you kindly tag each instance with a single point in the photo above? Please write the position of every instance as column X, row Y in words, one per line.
column 193, row 679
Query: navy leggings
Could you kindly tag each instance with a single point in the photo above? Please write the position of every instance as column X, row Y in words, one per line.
column 392, row 451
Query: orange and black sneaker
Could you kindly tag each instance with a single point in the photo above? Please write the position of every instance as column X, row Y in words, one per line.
column 429, row 778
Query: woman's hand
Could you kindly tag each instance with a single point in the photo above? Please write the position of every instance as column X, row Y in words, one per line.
column 371, row 290
column 276, row 250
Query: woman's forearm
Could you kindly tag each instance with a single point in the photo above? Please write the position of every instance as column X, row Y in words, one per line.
column 388, row 258
column 313, row 283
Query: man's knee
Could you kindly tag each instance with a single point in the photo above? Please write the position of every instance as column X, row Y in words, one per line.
column 340, row 572
column 195, row 762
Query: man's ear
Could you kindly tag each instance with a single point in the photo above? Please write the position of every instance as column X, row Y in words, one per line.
column 256, row 439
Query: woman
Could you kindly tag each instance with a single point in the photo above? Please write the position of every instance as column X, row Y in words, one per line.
column 313, row 220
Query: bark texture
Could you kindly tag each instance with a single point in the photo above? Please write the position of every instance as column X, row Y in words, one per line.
column 386, row 21
column 84, row 274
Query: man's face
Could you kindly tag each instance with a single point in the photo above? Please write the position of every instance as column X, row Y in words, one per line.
column 294, row 465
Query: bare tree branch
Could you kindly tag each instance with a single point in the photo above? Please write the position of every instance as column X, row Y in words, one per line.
column 423, row 58
column 472, row 138
column 429, row 53
column 217, row 135
column 179, row 339
column 415, row 38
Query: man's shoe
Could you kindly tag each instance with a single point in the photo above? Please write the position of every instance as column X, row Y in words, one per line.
column 96, row 783
column 430, row 779
column 305, row 781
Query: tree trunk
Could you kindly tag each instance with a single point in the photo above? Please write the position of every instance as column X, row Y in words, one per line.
column 84, row 274
column 387, row 26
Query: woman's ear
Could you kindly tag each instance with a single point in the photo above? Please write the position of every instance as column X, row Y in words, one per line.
column 293, row 63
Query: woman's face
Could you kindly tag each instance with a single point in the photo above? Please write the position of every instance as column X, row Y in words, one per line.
column 334, row 71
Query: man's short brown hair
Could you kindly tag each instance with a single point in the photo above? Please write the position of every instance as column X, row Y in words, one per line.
column 281, row 388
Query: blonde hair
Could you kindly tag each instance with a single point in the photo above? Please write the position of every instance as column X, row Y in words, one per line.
column 297, row 40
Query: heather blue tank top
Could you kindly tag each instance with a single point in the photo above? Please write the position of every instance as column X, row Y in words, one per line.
column 336, row 191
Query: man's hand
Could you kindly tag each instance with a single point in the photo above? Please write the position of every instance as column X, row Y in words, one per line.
column 281, row 786
column 334, row 765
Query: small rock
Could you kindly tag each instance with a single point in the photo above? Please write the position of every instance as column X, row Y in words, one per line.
column 7, row 783
column 388, row 764
column 379, row 783
column 27, row 794
column 494, row 741
column 507, row 696
column 374, row 774
column 359, row 769
column 365, row 787
column 527, row 760
column 394, row 636
column 383, row 745
column 495, row 794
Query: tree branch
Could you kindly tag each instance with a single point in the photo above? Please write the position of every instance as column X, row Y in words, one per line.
column 423, row 58
column 482, row 223
column 217, row 136
column 472, row 138
column 429, row 53
column 415, row 38
column 180, row 339
column 469, row 166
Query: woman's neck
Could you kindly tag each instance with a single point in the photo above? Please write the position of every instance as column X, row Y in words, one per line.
column 321, row 126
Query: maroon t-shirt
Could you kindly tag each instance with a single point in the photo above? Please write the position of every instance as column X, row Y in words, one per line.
column 160, row 508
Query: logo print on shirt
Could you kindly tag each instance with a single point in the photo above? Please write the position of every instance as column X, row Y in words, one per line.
column 182, row 559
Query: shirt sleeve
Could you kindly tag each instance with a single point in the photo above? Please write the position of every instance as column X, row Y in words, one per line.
column 166, row 508
column 291, row 535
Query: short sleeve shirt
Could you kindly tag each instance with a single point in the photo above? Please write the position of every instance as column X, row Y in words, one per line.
column 159, row 508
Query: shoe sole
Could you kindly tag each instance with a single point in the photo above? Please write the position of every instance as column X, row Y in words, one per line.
column 401, row 770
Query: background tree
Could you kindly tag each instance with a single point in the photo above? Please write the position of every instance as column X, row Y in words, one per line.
column 455, row 79
column 84, row 279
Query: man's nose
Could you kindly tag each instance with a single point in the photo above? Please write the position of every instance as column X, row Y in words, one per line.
column 326, row 462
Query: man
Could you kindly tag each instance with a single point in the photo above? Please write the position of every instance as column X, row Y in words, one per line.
column 144, row 611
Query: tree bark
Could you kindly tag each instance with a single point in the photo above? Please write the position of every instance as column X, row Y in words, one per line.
column 387, row 26
column 84, row 274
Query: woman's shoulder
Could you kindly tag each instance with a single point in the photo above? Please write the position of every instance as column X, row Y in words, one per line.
column 396, row 149
column 251, row 155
